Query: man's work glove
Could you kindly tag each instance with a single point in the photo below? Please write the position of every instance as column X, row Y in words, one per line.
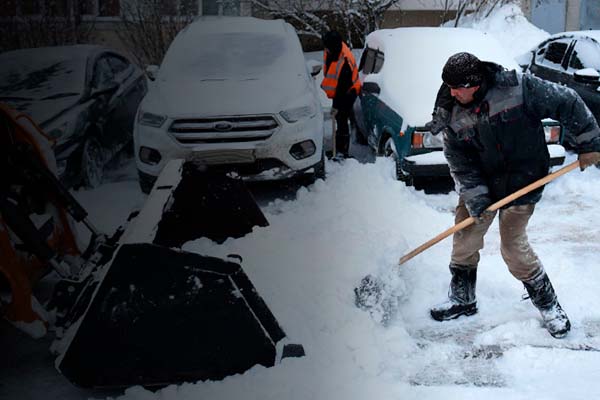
column 477, row 208
column 485, row 217
column 440, row 119
column 587, row 159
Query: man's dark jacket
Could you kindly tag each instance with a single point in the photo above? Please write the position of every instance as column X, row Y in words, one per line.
column 496, row 145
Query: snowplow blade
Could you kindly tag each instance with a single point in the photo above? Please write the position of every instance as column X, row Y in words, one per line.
column 162, row 316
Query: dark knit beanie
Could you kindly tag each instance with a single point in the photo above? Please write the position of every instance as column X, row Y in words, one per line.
column 463, row 70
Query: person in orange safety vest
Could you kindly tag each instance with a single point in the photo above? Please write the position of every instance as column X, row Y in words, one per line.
column 341, row 84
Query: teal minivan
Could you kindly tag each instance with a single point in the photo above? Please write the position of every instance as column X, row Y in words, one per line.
column 401, row 73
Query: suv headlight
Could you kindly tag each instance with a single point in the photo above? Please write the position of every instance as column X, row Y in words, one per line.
column 149, row 119
column 298, row 113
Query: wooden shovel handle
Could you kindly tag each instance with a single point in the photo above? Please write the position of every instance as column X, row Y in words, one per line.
column 500, row 203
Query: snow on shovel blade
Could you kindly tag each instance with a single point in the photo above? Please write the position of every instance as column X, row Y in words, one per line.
column 162, row 316
column 375, row 296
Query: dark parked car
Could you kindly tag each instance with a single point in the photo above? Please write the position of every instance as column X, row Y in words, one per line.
column 571, row 59
column 85, row 97
column 401, row 73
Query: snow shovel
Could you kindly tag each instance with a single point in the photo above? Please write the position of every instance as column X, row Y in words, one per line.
column 369, row 293
column 333, row 127
column 333, row 135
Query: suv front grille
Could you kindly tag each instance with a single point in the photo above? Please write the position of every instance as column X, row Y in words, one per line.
column 224, row 129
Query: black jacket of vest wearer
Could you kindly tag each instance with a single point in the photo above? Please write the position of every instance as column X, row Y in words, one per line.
column 496, row 145
column 344, row 97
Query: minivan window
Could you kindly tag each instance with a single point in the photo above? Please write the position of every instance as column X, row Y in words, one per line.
column 369, row 61
column 378, row 62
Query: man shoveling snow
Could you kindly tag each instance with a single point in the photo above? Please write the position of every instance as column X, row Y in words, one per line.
column 494, row 143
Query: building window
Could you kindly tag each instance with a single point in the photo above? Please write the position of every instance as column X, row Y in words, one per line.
column 87, row 7
column 220, row 7
column 56, row 8
column 180, row 7
column 109, row 8
column 31, row 7
column 9, row 9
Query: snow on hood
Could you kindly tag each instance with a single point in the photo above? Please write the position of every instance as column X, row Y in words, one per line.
column 43, row 72
column 44, row 110
column 195, row 97
column 414, row 58
column 216, row 68
column 42, row 82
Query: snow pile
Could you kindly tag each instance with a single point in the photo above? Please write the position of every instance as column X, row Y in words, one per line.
column 509, row 26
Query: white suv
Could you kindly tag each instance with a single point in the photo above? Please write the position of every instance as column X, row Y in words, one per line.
column 233, row 92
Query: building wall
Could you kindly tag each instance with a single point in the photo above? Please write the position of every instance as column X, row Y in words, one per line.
column 572, row 22
column 398, row 18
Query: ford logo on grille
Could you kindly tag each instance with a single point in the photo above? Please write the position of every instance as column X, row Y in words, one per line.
column 223, row 126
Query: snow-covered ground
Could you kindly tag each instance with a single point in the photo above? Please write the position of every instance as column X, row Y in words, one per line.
column 360, row 221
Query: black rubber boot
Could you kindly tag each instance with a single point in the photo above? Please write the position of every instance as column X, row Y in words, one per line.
column 542, row 296
column 461, row 295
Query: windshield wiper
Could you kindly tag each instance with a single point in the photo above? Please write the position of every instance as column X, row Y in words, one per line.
column 59, row 95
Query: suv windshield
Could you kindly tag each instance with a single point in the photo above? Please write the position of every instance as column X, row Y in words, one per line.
column 227, row 56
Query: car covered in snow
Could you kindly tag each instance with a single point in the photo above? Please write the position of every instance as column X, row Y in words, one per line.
column 233, row 93
column 401, row 73
column 84, row 97
column 571, row 59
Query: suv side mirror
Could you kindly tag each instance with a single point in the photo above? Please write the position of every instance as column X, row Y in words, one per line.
column 152, row 72
column 314, row 67
column 371, row 87
column 587, row 75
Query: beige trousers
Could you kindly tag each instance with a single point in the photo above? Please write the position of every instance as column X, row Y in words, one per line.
column 522, row 261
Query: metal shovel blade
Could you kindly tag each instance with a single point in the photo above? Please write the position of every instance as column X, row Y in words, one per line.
column 162, row 316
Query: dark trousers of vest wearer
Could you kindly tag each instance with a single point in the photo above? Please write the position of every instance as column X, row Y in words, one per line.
column 342, row 133
column 518, row 255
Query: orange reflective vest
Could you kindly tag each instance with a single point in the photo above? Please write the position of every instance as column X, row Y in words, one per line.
column 332, row 74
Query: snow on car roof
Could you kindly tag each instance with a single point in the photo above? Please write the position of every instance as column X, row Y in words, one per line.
column 44, row 71
column 594, row 34
column 212, row 24
column 414, row 58
column 229, row 48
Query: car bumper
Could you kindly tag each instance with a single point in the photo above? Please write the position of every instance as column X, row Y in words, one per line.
column 267, row 159
column 434, row 164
